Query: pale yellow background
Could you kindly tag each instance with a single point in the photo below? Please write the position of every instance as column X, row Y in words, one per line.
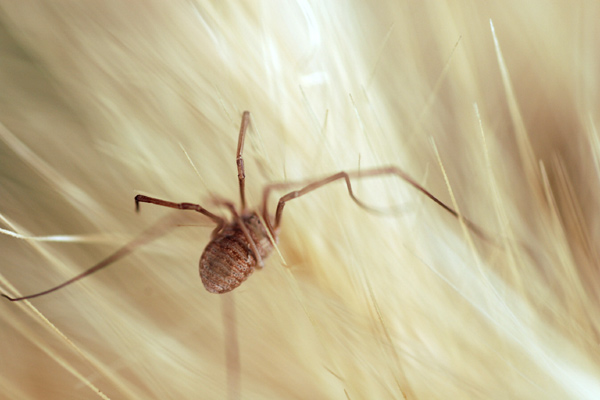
column 99, row 100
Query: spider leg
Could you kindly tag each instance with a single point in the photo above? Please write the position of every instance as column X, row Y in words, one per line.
column 239, row 160
column 155, row 231
column 242, row 225
column 310, row 186
column 181, row 206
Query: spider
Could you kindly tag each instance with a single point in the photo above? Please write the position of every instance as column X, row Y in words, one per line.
column 240, row 245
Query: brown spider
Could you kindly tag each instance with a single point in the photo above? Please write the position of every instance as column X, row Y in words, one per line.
column 237, row 247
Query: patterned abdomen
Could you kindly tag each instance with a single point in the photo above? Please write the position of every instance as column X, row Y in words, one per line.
column 227, row 261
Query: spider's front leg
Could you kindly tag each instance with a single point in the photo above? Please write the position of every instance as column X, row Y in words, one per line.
column 309, row 186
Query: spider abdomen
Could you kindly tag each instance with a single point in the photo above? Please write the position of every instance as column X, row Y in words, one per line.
column 228, row 260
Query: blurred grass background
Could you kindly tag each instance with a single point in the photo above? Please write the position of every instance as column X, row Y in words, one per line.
column 102, row 100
